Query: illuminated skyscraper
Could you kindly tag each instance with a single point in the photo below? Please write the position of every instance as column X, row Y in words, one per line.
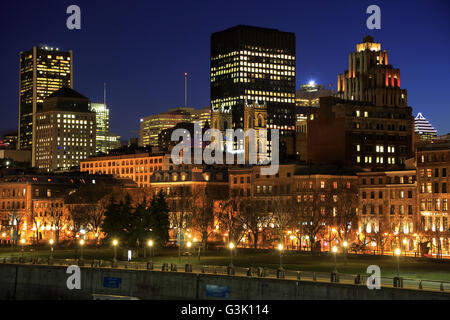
column 255, row 65
column 43, row 70
column 65, row 131
column 105, row 140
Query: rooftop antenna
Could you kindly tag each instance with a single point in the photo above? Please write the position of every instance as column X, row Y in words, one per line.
column 185, row 89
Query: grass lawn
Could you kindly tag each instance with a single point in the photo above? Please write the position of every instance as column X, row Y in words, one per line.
column 429, row 269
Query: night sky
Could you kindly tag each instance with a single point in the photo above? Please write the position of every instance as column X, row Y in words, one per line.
column 141, row 49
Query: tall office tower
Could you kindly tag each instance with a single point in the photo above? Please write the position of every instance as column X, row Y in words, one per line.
column 105, row 140
column 370, row 78
column 43, row 70
column 369, row 125
column 65, row 131
column 255, row 65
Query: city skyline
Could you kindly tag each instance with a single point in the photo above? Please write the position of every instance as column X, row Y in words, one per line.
column 133, row 95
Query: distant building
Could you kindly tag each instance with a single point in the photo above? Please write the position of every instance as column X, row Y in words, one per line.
column 43, row 70
column 370, row 78
column 360, row 135
column 137, row 167
column 424, row 128
column 152, row 126
column 309, row 94
column 65, row 131
column 105, row 140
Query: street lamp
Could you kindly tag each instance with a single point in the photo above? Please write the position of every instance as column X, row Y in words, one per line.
column 345, row 244
column 81, row 248
column 397, row 253
column 231, row 246
column 189, row 245
column 280, row 248
column 22, row 241
column 51, row 248
column 335, row 249
column 150, row 245
column 115, row 243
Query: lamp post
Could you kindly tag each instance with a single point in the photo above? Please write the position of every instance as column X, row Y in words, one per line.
column 398, row 283
column 22, row 241
column 280, row 249
column 231, row 246
column 81, row 249
column 292, row 241
column 280, row 271
column 115, row 243
column 150, row 245
column 397, row 253
column 51, row 248
column 335, row 249
column 189, row 245
column 345, row 244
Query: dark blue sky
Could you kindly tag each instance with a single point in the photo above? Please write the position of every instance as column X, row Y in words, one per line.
column 141, row 49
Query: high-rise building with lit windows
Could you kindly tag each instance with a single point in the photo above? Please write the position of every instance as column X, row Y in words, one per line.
column 105, row 140
column 152, row 126
column 43, row 70
column 255, row 65
column 65, row 131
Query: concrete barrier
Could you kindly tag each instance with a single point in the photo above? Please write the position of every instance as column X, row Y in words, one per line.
column 49, row 282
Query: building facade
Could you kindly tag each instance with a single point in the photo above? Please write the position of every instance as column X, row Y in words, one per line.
column 136, row 167
column 433, row 162
column 251, row 64
column 152, row 126
column 43, row 70
column 65, row 131
column 423, row 128
column 370, row 77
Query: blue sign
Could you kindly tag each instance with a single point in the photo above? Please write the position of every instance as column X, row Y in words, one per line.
column 215, row 291
column 110, row 282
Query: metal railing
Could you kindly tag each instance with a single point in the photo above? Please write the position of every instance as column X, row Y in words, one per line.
column 261, row 272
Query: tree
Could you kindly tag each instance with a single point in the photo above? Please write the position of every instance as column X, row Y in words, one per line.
column 253, row 217
column 283, row 213
column 181, row 212
column 116, row 222
column 345, row 201
column 77, row 218
column 203, row 214
column 57, row 220
column 159, row 218
column 229, row 218
column 314, row 215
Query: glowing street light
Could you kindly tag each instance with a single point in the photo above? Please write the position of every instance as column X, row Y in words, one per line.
column 81, row 248
column 280, row 248
column 397, row 253
column 231, row 246
column 150, row 245
column 115, row 243
column 22, row 241
column 335, row 249
column 51, row 248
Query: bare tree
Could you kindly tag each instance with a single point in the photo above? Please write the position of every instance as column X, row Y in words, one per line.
column 229, row 218
column 254, row 217
column 314, row 214
column 203, row 214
